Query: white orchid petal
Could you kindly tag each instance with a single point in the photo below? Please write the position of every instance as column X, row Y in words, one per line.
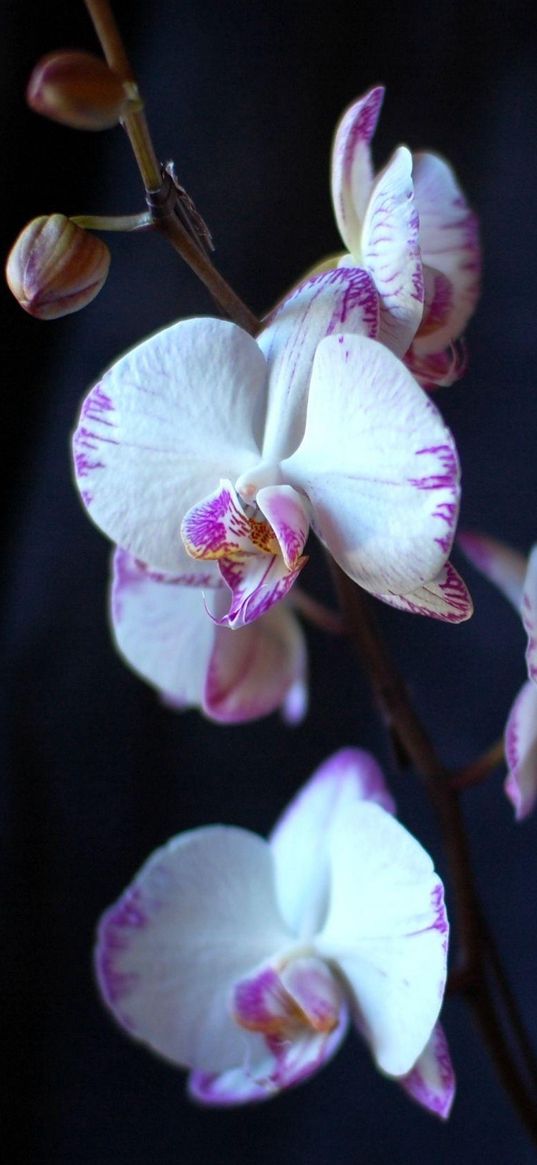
column 161, row 627
column 391, row 253
column 445, row 597
column 199, row 916
column 378, row 466
column 521, row 752
column 431, row 1082
column 300, row 840
column 529, row 614
column 449, row 241
column 342, row 300
column 166, row 422
column 351, row 166
column 253, row 670
column 502, row 565
column 387, row 931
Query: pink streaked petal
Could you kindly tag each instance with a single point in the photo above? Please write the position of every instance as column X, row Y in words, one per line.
column 286, row 513
column 218, row 528
column 166, row 421
column 445, row 597
column 342, row 300
column 199, row 915
column 300, row 839
column 314, row 991
column 161, row 627
column 502, row 565
column 438, row 369
column 449, row 240
column 253, row 671
column 391, row 253
column 387, row 930
column 432, row 1080
column 521, row 752
column 280, row 1065
column 378, row 466
column 256, row 582
column 351, row 165
column 529, row 614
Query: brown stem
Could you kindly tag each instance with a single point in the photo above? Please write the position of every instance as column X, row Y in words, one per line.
column 475, row 948
column 479, row 769
column 160, row 193
column 316, row 613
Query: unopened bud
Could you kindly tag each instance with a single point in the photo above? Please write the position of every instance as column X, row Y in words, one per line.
column 56, row 267
column 79, row 90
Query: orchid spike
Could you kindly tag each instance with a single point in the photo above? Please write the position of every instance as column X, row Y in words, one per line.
column 242, row 960
column 203, row 445
column 516, row 577
column 411, row 228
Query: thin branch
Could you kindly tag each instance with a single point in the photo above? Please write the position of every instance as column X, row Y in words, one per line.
column 480, row 769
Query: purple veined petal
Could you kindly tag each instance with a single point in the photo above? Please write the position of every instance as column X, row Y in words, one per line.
column 502, row 565
column 288, row 517
column 387, row 932
column 391, row 253
column 161, row 627
column 252, row 671
column 256, row 582
column 521, row 752
column 300, row 840
column 200, row 914
column 378, row 466
column 165, row 423
column 431, row 1082
column 449, row 240
column 279, row 1065
column 218, row 527
column 352, row 173
column 445, row 597
column 529, row 614
column 342, row 300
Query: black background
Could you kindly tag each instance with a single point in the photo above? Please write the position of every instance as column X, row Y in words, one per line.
column 245, row 96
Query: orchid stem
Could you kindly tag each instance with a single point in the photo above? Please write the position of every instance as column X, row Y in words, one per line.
column 476, row 944
column 480, row 768
column 157, row 184
column 316, row 613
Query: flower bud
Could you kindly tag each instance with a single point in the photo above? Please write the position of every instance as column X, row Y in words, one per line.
column 79, row 90
column 56, row 267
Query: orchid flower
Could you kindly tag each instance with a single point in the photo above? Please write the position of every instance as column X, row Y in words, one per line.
column 516, row 577
column 205, row 445
column 410, row 227
column 243, row 960
column 161, row 628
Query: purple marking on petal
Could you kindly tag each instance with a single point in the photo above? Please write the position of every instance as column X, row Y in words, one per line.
column 431, row 1082
column 254, row 591
column 441, row 923
column 114, row 984
column 445, row 480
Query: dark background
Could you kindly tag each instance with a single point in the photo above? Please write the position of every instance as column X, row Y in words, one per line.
column 245, row 96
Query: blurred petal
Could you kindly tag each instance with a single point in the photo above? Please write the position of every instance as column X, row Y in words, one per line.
column 521, row 752
column 254, row 669
column 378, row 466
column 391, row 253
column 499, row 563
column 437, row 369
column 445, row 597
column 449, row 240
column 387, row 931
column 432, row 1080
column 167, row 420
column 342, row 300
column 198, row 917
column 300, row 840
column 161, row 627
column 351, row 166
column 529, row 614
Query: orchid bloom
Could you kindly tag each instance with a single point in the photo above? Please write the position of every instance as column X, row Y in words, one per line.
column 516, row 577
column 161, row 629
column 242, row 959
column 411, row 228
column 205, row 445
